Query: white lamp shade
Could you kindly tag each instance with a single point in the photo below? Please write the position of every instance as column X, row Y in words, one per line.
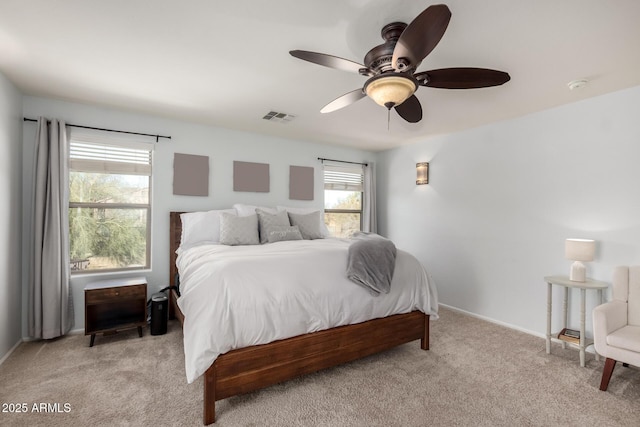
column 579, row 249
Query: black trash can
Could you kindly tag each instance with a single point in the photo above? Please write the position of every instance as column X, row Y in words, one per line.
column 159, row 313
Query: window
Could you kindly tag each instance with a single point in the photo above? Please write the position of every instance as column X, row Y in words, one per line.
column 109, row 203
column 343, row 188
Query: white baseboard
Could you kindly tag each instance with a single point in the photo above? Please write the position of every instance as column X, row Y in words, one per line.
column 497, row 322
column 6, row 356
column 506, row 325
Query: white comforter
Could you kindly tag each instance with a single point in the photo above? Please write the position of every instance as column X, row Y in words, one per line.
column 238, row 296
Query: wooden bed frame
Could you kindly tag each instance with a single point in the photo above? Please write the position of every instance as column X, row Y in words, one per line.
column 251, row 368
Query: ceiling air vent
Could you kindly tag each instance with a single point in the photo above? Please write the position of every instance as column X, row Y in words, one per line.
column 274, row 116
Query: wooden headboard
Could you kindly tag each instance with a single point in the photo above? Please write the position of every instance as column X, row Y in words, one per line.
column 175, row 234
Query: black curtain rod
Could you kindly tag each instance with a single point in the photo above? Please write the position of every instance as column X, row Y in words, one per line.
column 107, row 130
column 343, row 161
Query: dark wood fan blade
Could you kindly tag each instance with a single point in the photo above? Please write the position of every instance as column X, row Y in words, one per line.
column 462, row 78
column 344, row 100
column 327, row 60
column 410, row 110
column 421, row 36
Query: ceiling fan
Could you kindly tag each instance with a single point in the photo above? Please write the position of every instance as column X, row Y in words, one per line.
column 391, row 66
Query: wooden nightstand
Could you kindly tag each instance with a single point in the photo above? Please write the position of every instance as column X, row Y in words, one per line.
column 113, row 305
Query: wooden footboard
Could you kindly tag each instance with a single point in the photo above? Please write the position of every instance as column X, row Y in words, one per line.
column 252, row 368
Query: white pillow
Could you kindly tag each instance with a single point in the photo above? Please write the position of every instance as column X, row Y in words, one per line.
column 246, row 210
column 201, row 227
column 303, row 211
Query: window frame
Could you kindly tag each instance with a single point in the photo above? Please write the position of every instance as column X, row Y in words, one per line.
column 349, row 187
column 122, row 142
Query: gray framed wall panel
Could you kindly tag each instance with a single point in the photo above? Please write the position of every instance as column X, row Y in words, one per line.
column 301, row 182
column 251, row 177
column 190, row 175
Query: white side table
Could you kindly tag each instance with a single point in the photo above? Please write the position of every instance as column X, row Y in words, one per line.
column 583, row 286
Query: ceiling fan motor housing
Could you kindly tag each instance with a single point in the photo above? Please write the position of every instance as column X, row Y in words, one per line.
column 378, row 60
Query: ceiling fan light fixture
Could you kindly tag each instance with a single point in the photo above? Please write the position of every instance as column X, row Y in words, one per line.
column 390, row 90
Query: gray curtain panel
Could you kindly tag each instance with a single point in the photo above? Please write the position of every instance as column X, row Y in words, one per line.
column 369, row 216
column 49, row 298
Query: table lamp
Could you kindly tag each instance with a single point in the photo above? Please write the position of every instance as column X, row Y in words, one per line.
column 578, row 250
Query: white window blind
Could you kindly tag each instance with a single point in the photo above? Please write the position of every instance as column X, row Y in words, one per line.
column 100, row 154
column 345, row 177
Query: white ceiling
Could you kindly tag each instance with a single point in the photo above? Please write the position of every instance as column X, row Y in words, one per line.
column 227, row 63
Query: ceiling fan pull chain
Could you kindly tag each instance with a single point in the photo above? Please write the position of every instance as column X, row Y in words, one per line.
column 388, row 118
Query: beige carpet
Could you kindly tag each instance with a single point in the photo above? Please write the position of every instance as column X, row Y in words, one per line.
column 476, row 373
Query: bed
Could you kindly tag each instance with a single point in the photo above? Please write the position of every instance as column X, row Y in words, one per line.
column 249, row 368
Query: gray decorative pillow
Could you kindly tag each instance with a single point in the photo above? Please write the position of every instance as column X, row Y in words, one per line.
column 309, row 224
column 279, row 233
column 238, row 230
column 267, row 221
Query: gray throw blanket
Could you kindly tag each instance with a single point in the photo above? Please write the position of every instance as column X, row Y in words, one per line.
column 371, row 262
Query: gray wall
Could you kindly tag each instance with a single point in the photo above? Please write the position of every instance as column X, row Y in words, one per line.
column 502, row 199
column 11, row 214
column 221, row 145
